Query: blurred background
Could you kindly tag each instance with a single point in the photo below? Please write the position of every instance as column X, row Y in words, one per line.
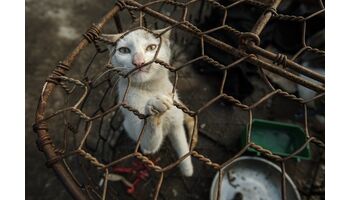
column 53, row 28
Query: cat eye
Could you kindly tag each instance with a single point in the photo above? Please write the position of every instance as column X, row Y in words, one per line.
column 124, row 50
column 151, row 47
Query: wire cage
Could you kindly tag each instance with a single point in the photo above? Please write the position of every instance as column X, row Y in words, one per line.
column 78, row 102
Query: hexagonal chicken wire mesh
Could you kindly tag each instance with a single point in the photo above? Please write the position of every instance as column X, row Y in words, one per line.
column 86, row 144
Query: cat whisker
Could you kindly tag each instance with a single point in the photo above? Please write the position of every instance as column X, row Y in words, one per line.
column 104, row 73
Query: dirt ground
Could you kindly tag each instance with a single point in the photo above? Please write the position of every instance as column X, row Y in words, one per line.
column 53, row 28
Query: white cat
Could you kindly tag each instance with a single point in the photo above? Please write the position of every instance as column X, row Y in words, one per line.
column 150, row 92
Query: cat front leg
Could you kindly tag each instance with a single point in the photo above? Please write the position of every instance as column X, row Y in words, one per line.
column 153, row 136
column 178, row 140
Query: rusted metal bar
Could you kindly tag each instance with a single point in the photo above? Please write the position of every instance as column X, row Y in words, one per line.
column 259, row 27
column 227, row 48
column 41, row 128
column 288, row 63
column 265, row 18
column 287, row 74
column 58, row 166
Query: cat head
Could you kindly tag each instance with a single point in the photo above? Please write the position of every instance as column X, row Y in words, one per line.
column 133, row 52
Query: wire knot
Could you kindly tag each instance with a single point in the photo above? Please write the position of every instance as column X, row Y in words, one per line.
column 92, row 33
column 40, row 126
column 245, row 38
column 280, row 59
column 271, row 10
column 59, row 70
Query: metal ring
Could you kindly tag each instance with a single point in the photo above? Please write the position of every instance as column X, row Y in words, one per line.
column 249, row 37
column 271, row 10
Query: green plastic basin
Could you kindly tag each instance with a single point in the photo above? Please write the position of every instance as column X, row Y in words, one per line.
column 280, row 138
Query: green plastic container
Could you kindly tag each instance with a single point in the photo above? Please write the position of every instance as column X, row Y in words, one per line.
column 280, row 138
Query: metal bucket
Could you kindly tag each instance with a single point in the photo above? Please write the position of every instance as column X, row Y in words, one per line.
column 253, row 178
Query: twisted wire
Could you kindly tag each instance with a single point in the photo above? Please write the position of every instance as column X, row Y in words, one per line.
column 204, row 159
column 92, row 33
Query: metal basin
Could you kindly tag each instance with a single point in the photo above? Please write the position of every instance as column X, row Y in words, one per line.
column 253, row 178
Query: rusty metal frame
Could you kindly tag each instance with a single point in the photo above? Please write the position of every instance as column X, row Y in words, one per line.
column 248, row 51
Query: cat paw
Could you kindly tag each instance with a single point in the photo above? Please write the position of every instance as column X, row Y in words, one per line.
column 187, row 170
column 149, row 150
column 158, row 105
column 186, row 167
column 145, row 151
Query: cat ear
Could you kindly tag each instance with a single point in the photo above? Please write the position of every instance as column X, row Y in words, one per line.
column 108, row 40
column 165, row 32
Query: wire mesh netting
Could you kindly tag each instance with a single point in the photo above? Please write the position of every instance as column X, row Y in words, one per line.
column 87, row 146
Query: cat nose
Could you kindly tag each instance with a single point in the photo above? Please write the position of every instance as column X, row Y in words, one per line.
column 138, row 60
